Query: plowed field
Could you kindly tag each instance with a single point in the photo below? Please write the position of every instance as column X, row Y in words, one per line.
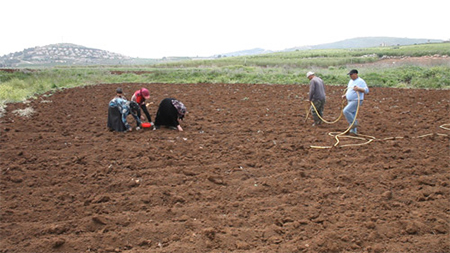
column 242, row 177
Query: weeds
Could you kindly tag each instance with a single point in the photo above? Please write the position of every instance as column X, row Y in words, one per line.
column 27, row 112
column 276, row 68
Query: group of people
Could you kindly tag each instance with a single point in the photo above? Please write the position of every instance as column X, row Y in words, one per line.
column 170, row 111
column 356, row 89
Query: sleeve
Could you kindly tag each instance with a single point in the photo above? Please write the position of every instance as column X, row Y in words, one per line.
column 312, row 87
column 113, row 103
column 123, row 113
column 366, row 88
column 363, row 85
column 138, row 120
column 124, row 120
column 174, row 116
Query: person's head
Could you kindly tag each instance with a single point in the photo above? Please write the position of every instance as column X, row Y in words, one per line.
column 181, row 108
column 145, row 93
column 134, row 108
column 353, row 74
column 310, row 75
column 119, row 92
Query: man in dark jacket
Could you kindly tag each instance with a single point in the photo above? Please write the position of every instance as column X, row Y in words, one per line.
column 316, row 96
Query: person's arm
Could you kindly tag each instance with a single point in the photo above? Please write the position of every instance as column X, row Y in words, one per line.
column 138, row 121
column 312, row 88
column 366, row 88
column 174, row 118
column 124, row 118
column 361, row 88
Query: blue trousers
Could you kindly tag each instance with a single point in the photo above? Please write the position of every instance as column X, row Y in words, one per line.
column 350, row 112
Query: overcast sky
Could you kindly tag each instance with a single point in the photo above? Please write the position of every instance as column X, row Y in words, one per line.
column 159, row 28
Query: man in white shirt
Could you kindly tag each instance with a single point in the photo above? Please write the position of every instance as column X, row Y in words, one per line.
column 356, row 87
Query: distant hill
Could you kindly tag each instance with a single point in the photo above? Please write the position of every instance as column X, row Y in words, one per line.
column 62, row 54
column 246, row 52
column 361, row 42
column 364, row 42
column 71, row 54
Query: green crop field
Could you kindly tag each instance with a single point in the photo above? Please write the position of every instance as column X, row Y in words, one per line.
column 275, row 68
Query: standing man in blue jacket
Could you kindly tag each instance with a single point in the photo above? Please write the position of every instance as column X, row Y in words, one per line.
column 356, row 86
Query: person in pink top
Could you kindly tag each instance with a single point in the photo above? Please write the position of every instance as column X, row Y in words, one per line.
column 139, row 97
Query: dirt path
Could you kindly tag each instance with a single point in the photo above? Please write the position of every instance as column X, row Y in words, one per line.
column 241, row 178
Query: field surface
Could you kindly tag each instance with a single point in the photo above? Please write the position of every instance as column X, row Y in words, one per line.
column 242, row 177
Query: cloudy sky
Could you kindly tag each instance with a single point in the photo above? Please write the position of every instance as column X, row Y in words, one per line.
column 159, row 28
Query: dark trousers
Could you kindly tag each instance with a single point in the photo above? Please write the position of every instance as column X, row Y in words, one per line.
column 147, row 114
column 319, row 104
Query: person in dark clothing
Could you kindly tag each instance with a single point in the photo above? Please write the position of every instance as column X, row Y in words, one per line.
column 316, row 96
column 115, row 122
column 139, row 97
column 118, row 110
column 169, row 112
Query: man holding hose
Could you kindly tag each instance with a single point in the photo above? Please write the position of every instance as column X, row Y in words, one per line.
column 316, row 96
column 356, row 87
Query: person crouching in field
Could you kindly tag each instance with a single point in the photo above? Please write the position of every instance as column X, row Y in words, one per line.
column 118, row 110
column 169, row 112
column 139, row 97
column 316, row 96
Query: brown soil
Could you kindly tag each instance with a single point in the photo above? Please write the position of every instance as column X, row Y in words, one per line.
column 242, row 177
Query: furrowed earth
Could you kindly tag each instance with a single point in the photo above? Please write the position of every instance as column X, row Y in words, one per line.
column 242, row 177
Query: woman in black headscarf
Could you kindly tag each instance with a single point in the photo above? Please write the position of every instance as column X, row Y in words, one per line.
column 169, row 112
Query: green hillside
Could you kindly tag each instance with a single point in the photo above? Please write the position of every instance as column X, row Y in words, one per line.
column 366, row 42
column 320, row 57
column 274, row 68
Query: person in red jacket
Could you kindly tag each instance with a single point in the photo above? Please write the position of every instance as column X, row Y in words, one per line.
column 139, row 97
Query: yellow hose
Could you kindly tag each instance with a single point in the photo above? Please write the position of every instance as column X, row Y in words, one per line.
column 322, row 119
column 338, row 135
column 445, row 126
column 368, row 139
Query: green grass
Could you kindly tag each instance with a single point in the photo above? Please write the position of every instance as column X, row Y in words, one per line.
column 276, row 68
column 21, row 85
column 318, row 58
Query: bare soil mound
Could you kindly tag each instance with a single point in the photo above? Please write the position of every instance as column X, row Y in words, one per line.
column 242, row 177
